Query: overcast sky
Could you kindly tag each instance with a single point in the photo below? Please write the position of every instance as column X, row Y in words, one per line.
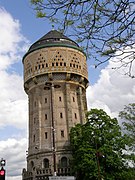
column 108, row 89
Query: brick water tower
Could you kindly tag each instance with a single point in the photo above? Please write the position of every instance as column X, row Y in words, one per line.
column 55, row 80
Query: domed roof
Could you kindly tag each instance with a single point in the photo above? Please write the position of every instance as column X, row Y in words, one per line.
column 53, row 38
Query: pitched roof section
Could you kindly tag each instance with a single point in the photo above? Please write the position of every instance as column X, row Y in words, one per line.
column 53, row 38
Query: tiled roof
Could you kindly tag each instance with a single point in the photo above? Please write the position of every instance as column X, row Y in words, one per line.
column 53, row 37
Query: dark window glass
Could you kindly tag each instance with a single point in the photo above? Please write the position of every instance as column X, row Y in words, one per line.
column 46, row 163
column 63, row 162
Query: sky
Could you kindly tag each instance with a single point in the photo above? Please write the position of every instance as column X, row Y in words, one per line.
column 19, row 28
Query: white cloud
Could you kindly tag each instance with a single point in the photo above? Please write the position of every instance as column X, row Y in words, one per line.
column 12, row 42
column 112, row 90
column 12, row 151
column 13, row 106
column 13, row 100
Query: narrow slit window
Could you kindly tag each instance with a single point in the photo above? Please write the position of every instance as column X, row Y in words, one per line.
column 61, row 115
column 45, row 100
column 34, row 138
column 60, row 99
column 62, row 133
column 75, row 116
column 46, row 135
column 45, row 116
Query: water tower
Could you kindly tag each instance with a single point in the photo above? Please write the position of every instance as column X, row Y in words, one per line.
column 55, row 80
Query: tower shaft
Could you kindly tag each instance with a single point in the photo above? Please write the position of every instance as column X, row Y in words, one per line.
column 55, row 79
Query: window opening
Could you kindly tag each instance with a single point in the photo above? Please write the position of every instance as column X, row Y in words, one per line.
column 75, row 116
column 46, row 163
column 34, row 138
column 45, row 100
column 61, row 115
column 62, row 133
column 63, row 162
column 45, row 116
column 45, row 135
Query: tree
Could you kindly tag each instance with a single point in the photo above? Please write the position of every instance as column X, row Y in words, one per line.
column 128, row 118
column 105, row 28
column 99, row 149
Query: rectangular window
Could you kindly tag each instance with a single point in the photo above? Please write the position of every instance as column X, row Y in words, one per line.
column 34, row 138
column 45, row 135
column 75, row 116
column 45, row 100
column 62, row 133
column 61, row 115
column 73, row 99
column 45, row 116
column 59, row 98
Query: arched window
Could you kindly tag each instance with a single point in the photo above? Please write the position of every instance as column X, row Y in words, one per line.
column 46, row 163
column 64, row 162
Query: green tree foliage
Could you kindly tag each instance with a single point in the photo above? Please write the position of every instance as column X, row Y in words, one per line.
column 103, row 27
column 99, row 149
column 128, row 118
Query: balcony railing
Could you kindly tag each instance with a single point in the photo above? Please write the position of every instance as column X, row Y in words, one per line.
column 64, row 171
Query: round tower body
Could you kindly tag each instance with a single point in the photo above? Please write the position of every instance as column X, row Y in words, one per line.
column 55, row 79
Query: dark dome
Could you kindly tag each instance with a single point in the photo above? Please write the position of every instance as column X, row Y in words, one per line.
column 53, row 38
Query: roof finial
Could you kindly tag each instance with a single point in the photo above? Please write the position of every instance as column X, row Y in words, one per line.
column 52, row 26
